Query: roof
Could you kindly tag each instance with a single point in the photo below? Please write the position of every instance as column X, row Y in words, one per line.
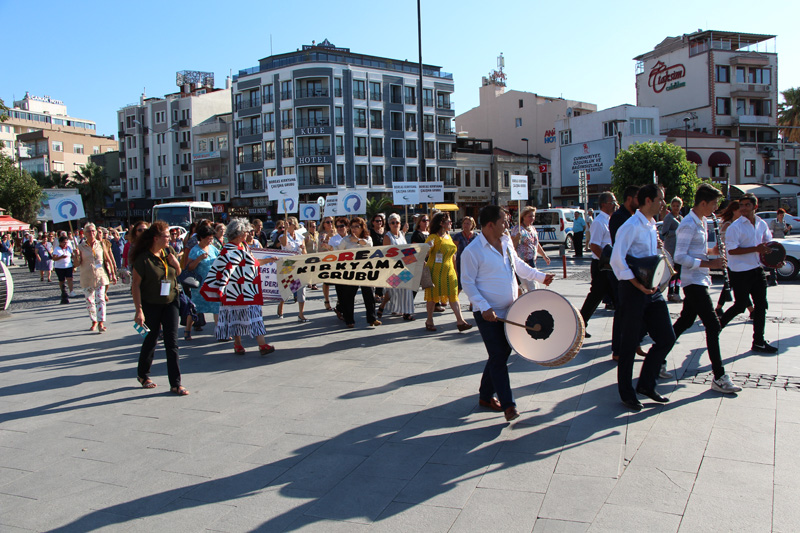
column 673, row 43
column 681, row 133
column 790, row 189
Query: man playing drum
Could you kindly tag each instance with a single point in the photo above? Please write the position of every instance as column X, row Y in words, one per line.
column 640, row 306
column 691, row 252
column 744, row 240
column 489, row 270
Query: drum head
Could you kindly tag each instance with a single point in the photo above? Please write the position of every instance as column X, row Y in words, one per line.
column 664, row 275
column 556, row 326
column 776, row 255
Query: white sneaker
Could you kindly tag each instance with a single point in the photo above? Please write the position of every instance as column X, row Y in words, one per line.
column 724, row 384
column 73, row 294
column 664, row 373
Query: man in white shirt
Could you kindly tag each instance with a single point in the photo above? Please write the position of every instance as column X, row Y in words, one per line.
column 744, row 240
column 691, row 252
column 600, row 238
column 639, row 306
column 489, row 270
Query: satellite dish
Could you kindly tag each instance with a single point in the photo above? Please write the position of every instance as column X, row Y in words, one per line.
column 569, row 112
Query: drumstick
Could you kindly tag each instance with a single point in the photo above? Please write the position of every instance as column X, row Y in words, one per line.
column 537, row 327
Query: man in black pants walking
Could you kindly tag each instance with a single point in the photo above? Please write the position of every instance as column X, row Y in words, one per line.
column 600, row 238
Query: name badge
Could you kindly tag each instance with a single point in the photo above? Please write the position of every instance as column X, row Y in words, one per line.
column 165, row 288
column 439, row 257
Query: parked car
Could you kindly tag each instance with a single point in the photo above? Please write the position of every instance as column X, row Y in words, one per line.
column 770, row 216
column 792, row 266
column 555, row 225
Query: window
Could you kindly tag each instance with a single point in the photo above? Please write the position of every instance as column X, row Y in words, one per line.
column 791, row 168
column 467, row 179
column 641, row 126
column 427, row 97
column 411, row 148
column 286, row 119
column 340, row 174
column 749, row 167
column 288, row 147
column 58, row 166
column 360, row 118
column 77, row 148
column 269, row 121
column 397, row 147
column 520, row 103
column 339, row 145
column 337, row 87
column 741, row 106
column 361, row 175
column 723, row 74
column 518, row 122
column 396, row 94
column 288, row 170
column 375, row 91
column 286, row 90
column 411, row 122
column 359, row 90
column 269, row 150
column 506, row 178
column 724, row 132
column 377, row 175
column 58, row 146
column 377, row 147
column 458, row 178
column 610, row 128
column 269, row 94
column 337, row 115
column 411, row 174
column 485, row 178
column 397, row 173
column 360, row 145
column 723, row 106
column 759, row 75
column 411, row 95
column 760, row 108
column 396, row 121
column 741, row 74
column 444, row 126
column 430, row 150
column 427, row 123
column 443, row 100
column 375, row 120
column 566, row 137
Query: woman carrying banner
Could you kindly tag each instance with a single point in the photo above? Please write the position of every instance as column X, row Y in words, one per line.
column 234, row 281
column 342, row 229
column 443, row 271
column 325, row 234
column 291, row 241
column 400, row 301
column 359, row 238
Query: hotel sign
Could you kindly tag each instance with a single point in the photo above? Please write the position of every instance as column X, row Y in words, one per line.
column 314, row 160
column 314, row 130
column 666, row 77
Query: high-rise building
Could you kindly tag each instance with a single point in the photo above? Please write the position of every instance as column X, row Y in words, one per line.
column 338, row 120
column 213, row 166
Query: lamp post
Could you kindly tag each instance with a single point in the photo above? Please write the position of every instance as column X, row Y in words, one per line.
column 686, row 132
column 528, row 164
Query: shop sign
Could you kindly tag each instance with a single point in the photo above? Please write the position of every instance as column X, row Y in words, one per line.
column 550, row 136
column 664, row 77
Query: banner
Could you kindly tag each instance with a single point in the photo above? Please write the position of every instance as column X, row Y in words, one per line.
column 331, row 206
column 309, row 212
column 431, row 192
column 519, row 187
column 352, row 203
column 269, row 272
column 285, row 191
column 67, row 208
column 405, row 193
column 595, row 157
column 52, row 194
column 395, row 267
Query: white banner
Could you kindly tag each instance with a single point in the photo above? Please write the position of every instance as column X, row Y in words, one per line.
column 331, row 206
column 431, row 192
column 595, row 157
column 67, row 208
column 519, row 187
column 405, row 193
column 353, row 203
column 309, row 211
column 269, row 272
column 285, row 191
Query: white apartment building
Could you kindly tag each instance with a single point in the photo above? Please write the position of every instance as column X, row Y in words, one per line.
column 212, row 162
column 591, row 142
column 721, row 83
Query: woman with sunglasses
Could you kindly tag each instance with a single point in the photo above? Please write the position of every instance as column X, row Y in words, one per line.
column 359, row 238
column 327, row 231
column 399, row 301
column 443, row 271
column 138, row 228
column 291, row 241
column 93, row 258
column 342, row 228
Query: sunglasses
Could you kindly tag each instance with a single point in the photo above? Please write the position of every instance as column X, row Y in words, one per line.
column 139, row 230
column 394, row 222
column 425, row 220
column 341, row 225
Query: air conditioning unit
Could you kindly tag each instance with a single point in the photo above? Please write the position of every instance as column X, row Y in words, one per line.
column 767, row 178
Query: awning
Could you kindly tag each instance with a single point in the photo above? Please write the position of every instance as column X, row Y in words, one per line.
column 719, row 159
column 445, row 207
column 694, row 157
column 8, row 223
column 761, row 191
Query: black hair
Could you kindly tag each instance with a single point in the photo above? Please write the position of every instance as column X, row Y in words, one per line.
column 631, row 191
column 650, row 191
column 438, row 221
column 491, row 213
column 706, row 193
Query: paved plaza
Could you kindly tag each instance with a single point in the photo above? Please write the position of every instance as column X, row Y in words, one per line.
column 380, row 430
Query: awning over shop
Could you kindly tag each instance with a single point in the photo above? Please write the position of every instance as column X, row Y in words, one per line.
column 694, row 157
column 446, row 207
column 719, row 159
column 761, row 191
column 786, row 189
column 8, row 223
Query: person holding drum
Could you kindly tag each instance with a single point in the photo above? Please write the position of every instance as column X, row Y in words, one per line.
column 745, row 239
column 489, row 270
column 641, row 307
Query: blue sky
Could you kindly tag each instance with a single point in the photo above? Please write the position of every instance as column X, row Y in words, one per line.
column 98, row 56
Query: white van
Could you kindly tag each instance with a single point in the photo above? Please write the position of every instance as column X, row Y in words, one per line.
column 555, row 225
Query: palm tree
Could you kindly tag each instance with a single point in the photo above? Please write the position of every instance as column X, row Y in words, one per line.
column 789, row 115
column 378, row 204
column 93, row 187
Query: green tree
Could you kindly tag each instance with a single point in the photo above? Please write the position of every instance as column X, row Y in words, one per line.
column 19, row 192
column 92, row 184
column 3, row 118
column 789, row 115
column 54, row 180
column 378, row 204
column 635, row 166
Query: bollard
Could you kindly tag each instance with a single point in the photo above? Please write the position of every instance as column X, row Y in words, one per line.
column 562, row 251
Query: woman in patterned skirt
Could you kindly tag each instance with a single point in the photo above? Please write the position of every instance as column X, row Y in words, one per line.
column 399, row 301
column 443, row 271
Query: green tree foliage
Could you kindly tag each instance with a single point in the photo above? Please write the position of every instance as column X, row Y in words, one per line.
column 54, row 180
column 635, row 166
column 378, row 204
column 789, row 115
column 3, row 118
column 92, row 184
column 19, row 192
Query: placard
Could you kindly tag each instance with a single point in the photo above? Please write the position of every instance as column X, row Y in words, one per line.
column 353, row 203
column 431, row 192
column 269, row 272
column 519, row 186
column 405, row 193
column 331, row 206
column 309, row 211
column 285, row 191
column 67, row 208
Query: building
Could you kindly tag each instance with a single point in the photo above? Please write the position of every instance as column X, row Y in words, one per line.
column 508, row 117
column 156, row 148
column 42, row 137
column 212, row 161
column 714, row 155
column 721, row 83
column 595, row 139
column 340, row 120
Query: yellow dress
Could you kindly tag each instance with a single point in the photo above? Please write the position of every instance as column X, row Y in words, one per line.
column 443, row 273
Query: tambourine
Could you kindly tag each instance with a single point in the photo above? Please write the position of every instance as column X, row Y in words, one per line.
column 776, row 257
column 543, row 327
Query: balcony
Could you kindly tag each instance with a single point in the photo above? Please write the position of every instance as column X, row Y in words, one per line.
column 754, row 120
column 248, row 104
column 250, row 187
column 184, row 145
column 211, row 180
column 288, row 152
column 286, row 95
column 303, row 151
column 753, row 59
column 447, row 155
column 753, row 90
column 183, row 123
column 312, row 93
column 444, row 104
column 313, row 122
column 244, row 159
column 446, row 130
column 308, row 182
column 286, row 124
column 359, row 95
column 185, row 167
column 252, row 130
column 212, row 127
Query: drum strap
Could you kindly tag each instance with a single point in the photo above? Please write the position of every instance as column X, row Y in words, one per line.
column 511, row 261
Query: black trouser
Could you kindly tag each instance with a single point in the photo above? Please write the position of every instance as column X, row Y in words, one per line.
column 347, row 302
column 746, row 285
column 577, row 242
column 697, row 302
column 636, row 311
column 495, row 379
column 31, row 260
column 601, row 287
column 164, row 318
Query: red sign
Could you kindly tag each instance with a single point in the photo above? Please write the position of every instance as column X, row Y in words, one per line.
column 661, row 75
column 542, row 169
column 218, row 208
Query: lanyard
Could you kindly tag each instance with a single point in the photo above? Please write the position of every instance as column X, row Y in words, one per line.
column 164, row 262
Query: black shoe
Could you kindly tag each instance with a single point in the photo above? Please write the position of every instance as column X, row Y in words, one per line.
column 586, row 335
column 652, row 394
column 634, row 405
column 763, row 347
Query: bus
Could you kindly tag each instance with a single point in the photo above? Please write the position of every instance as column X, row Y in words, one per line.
column 182, row 213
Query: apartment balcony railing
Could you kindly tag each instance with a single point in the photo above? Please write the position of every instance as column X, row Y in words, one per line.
column 427, row 102
column 313, row 122
column 358, row 123
column 337, row 93
column 312, row 93
column 411, row 100
column 184, row 145
column 269, row 126
column 251, row 130
column 250, row 187
column 360, row 150
column 340, row 150
column 359, row 95
column 249, row 158
column 303, row 151
column 444, row 104
column 286, row 95
column 446, row 131
column 375, row 96
column 288, row 152
column 286, row 124
column 340, row 121
column 447, row 155
column 269, row 155
column 248, row 104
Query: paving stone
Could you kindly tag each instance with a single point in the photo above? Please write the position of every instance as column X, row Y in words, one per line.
column 575, row 498
column 499, row 510
column 403, row 517
column 719, row 512
column 742, row 445
column 358, row 498
column 442, row 485
column 319, row 472
column 549, row 525
column 614, row 518
column 652, row 489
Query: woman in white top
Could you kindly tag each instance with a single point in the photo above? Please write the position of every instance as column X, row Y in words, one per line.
column 326, row 232
column 400, row 301
column 292, row 242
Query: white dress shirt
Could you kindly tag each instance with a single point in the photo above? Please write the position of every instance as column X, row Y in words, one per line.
column 691, row 247
column 600, row 235
column 488, row 278
column 636, row 237
column 742, row 234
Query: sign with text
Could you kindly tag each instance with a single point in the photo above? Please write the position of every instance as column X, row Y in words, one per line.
column 519, row 186
column 405, row 193
column 431, row 192
column 285, row 191
column 67, row 208
column 51, row 194
column 595, row 157
column 309, row 211
column 331, row 206
column 352, row 203
column 269, row 272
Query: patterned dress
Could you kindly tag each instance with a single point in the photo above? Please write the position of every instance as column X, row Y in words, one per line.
column 401, row 301
column 441, row 262
column 203, row 305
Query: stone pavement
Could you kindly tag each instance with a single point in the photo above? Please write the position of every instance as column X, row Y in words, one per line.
column 379, row 429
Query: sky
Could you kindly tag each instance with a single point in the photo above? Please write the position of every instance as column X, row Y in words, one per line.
column 99, row 56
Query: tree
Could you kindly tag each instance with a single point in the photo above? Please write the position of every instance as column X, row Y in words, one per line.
column 19, row 192
column 55, row 180
column 676, row 174
column 789, row 115
column 378, row 204
column 92, row 184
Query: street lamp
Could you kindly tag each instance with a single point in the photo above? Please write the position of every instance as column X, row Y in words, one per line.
column 686, row 132
column 528, row 164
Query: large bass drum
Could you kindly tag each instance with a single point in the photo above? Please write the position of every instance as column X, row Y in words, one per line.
column 553, row 329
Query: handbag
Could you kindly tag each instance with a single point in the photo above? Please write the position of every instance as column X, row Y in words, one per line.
column 190, row 278
column 426, row 282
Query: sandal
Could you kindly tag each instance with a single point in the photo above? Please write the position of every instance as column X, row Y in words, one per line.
column 238, row 349
column 180, row 391
column 409, row 317
column 266, row 349
column 429, row 326
column 380, row 312
column 328, row 305
column 464, row 327
column 146, row 383
column 93, row 327
column 101, row 327
column 187, row 335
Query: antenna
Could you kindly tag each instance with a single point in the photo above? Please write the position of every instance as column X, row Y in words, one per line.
column 498, row 77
